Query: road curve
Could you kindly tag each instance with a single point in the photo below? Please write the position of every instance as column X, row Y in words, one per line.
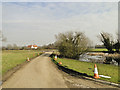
column 39, row 73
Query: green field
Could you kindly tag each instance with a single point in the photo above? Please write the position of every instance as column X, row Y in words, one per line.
column 88, row 68
column 98, row 49
column 12, row 58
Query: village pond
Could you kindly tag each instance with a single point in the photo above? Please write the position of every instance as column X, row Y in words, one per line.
column 97, row 58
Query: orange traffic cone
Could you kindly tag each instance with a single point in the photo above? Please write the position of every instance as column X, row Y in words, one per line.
column 96, row 72
column 28, row 59
column 55, row 57
column 60, row 63
column 38, row 54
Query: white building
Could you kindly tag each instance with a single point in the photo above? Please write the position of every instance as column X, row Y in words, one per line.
column 33, row 46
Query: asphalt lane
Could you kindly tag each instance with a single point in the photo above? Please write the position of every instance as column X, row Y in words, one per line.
column 39, row 73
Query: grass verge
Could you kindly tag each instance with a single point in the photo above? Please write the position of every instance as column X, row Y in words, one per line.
column 12, row 58
column 88, row 68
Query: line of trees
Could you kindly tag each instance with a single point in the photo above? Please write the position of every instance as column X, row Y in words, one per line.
column 12, row 47
column 15, row 47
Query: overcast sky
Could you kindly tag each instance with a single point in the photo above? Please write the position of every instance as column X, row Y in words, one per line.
column 38, row 22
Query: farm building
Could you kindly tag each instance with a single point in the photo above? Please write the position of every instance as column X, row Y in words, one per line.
column 33, row 46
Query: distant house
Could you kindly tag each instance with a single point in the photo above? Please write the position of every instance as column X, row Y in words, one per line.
column 33, row 46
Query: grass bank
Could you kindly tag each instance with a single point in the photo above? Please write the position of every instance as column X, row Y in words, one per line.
column 88, row 68
column 12, row 58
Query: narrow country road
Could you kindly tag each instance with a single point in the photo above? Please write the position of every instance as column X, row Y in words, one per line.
column 41, row 72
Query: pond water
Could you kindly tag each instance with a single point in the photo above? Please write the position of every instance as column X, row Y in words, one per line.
column 87, row 57
column 90, row 58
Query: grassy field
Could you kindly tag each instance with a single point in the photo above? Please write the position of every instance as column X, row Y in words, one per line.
column 88, row 68
column 11, row 58
column 98, row 49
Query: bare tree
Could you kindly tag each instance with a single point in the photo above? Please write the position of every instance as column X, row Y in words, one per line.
column 117, row 43
column 107, row 40
column 9, row 47
column 15, row 47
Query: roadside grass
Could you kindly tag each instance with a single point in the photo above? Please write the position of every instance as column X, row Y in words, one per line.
column 12, row 58
column 88, row 68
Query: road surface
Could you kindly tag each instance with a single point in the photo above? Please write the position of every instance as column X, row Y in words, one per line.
column 41, row 72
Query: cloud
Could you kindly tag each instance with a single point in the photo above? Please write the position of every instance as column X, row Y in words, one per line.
column 59, row 0
column 54, row 10
column 26, row 22
column 0, row 16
